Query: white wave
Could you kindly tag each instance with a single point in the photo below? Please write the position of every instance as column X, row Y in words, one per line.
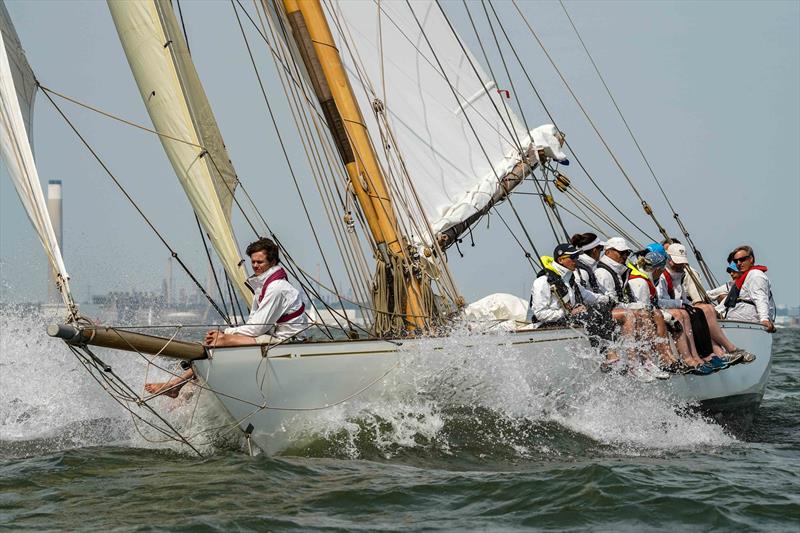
column 49, row 401
column 475, row 375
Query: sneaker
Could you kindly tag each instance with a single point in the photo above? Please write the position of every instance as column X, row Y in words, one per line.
column 717, row 363
column 641, row 374
column 703, row 370
column 654, row 371
column 732, row 358
column 747, row 357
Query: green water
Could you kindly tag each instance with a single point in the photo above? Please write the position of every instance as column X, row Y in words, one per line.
column 475, row 469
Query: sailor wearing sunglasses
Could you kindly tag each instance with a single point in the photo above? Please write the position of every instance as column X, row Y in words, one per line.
column 750, row 298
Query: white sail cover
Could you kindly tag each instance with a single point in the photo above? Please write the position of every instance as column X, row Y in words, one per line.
column 178, row 107
column 18, row 156
column 454, row 170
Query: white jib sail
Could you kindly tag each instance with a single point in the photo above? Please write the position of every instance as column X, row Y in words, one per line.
column 170, row 89
column 454, row 169
column 18, row 157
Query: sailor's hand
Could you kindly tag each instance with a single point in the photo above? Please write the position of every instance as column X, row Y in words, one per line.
column 578, row 309
column 768, row 325
column 213, row 337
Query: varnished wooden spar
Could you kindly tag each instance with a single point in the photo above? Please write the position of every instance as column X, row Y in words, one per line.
column 127, row 340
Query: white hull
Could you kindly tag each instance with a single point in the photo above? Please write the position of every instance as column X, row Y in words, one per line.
column 293, row 383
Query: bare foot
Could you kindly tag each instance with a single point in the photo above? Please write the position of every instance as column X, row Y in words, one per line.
column 169, row 388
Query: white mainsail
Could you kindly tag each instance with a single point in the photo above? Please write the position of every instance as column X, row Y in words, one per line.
column 18, row 155
column 171, row 90
column 455, row 151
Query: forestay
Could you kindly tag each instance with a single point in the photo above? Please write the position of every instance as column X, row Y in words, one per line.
column 456, row 149
column 24, row 80
column 177, row 104
column 17, row 152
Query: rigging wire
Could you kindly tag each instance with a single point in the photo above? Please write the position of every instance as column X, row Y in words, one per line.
column 211, row 264
column 706, row 270
column 138, row 209
column 466, row 117
column 566, row 143
column 647, row 209
column 325, row 186
column 545, row 204
column 283, row 146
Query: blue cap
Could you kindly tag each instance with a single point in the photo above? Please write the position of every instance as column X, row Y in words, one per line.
column 655, row 259
column 656, row 247
column 732, row 267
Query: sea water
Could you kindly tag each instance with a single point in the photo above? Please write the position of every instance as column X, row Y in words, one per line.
column 482, row 440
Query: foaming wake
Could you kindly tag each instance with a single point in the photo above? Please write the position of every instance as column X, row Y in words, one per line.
column 50, row 402
column 482, row 396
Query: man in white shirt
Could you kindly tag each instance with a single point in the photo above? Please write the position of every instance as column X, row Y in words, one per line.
column 750, row 299
column 277, row 312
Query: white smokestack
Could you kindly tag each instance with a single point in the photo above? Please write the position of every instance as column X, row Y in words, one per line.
column 54, row 209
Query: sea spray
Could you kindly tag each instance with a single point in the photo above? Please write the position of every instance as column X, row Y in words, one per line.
column 49, row 401
column 484, row 396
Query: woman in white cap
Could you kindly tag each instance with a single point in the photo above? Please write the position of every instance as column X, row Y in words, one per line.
column 590, row 248
column 673, row 295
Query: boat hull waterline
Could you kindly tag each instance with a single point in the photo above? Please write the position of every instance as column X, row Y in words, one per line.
column 271, row 391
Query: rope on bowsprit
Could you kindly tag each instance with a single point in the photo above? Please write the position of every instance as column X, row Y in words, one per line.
column 124, row 395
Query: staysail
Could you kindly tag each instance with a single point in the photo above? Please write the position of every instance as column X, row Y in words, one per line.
column 15, row 105
column 458, row 150
column 171, row 89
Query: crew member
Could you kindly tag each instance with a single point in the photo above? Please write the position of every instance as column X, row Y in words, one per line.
column 277, row 312
column 750, row 299
column 672, row 294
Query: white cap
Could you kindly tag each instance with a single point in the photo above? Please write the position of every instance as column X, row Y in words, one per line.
column 592, row 245
column 677, row 252
column 617, row 243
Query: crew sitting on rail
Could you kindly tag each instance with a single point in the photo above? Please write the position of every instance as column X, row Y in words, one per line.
column 691, row 282
column 591, row 248
column 706, row 333
column 612, row 274
column 558, row 299
column 679, row 322
column 277, row 312
column 750, row 298
column 649, row 265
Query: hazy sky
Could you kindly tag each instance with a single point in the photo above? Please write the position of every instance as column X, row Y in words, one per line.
column 712, row 90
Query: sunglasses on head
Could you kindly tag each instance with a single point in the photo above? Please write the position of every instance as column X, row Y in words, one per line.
column 740, row 259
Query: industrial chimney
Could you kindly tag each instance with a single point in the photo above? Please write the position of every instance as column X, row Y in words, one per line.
column 54, row 209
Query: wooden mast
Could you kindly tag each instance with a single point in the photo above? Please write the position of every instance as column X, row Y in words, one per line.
column 339, row 104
